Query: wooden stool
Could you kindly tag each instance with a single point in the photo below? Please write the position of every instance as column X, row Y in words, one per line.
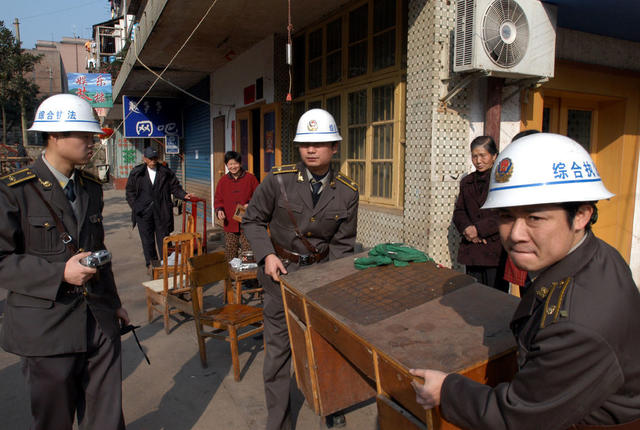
column 233, row 287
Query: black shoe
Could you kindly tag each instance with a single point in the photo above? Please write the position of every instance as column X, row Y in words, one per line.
column 336, row 420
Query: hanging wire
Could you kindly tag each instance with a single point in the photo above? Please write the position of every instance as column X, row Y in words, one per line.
column 177, row 87
column 159, row 76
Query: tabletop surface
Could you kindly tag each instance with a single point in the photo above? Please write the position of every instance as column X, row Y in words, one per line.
column 421, row 315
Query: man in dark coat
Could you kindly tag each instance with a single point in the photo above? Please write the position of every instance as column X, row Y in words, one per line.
column 577, row 325
column 61, row 316
column 324, row 205
column 148, row 191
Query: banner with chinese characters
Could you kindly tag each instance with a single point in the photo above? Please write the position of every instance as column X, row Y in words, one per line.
column 151, row 117
column 93, row 87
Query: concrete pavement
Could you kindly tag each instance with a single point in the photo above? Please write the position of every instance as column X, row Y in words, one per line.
column 174, row 392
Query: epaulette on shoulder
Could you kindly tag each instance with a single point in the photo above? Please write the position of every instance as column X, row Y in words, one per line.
column 553, row 305
column 17, row 177
column 287, row 168
column 347, row 181
column 90, row 177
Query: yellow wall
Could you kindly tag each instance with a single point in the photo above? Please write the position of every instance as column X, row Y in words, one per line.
column 615, row 97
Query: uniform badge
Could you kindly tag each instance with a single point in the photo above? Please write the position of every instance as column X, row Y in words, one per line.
column 504, row 170
column 312, row 125
column 542, row 292
column 300, row 177
column 45, row 184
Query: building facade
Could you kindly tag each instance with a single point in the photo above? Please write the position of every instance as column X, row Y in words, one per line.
column 383, row 68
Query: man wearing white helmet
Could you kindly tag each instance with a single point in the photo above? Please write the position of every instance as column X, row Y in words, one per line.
column 62, row 316
column 311, row 213
column 578, row 323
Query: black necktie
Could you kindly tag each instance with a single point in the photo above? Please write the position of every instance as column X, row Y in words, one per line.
column 315, row 190
column 69, row 191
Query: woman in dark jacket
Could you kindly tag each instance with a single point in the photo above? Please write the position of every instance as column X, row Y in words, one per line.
column 234, row 188
column 480, row 249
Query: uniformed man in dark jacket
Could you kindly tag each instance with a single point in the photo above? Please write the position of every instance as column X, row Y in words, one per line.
column 148, row 192
column 61, row 316
column 577, row 326
column 311, row 212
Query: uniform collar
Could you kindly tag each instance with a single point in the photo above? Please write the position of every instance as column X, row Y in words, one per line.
column 60, row 177
column 571, row 264
column 324, row 180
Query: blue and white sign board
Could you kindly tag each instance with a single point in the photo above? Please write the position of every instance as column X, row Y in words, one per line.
column 153, row 117
column 171, row 145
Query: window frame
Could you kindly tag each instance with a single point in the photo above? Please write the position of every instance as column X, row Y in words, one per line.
column 395, row 75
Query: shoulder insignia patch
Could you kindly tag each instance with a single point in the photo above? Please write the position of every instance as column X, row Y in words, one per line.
column 347, row 181
column 553, row 305
column 17, row 177
column 287, row 168
column 90, row 177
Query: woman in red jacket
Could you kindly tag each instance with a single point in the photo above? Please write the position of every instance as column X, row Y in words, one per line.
column 234, row 188
column 480, row 249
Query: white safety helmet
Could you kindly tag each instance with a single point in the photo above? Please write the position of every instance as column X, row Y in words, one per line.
column 544, row 168
column 317, row 125
column 65, row 112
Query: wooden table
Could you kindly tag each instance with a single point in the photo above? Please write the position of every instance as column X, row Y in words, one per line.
column 355, row 335
column 233, row 286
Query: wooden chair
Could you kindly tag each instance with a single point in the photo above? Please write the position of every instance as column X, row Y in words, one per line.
column 234, row 319
column 172, row 292
column 157, row 270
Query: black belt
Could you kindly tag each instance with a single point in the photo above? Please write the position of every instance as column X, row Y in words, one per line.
column 300, row 259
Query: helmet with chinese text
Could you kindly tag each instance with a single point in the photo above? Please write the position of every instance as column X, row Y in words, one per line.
column 65, row 112
column 317, row 125
column 544, row 168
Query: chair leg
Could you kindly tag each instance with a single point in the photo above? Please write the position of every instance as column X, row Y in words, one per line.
column 233, row 342
column 166, row 315
column 201, row 345
column 149, row 308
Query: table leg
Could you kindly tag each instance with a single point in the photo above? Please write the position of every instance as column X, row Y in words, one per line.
column 228, row 291
column 238, row 292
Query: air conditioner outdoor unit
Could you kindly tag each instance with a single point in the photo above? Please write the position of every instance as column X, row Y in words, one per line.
column 506, row 38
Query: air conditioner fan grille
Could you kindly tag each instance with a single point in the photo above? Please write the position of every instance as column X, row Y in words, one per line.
column 505, row 33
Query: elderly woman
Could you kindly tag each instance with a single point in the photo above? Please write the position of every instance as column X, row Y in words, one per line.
column 480, row 249
column 234, row 188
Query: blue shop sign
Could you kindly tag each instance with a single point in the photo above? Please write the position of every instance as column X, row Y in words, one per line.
column 152, row 117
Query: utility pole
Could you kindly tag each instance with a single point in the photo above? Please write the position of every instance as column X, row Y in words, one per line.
column 23, row 112
column 16, row 23
column 124, row 14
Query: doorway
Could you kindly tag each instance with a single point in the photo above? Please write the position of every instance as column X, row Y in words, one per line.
column 248, row 138
column 258, row 138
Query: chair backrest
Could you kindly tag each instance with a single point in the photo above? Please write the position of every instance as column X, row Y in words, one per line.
column 191, row 224
column 176, row 272
column 206, row 269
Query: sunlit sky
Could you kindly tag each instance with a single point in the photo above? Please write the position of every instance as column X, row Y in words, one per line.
column 53, row 19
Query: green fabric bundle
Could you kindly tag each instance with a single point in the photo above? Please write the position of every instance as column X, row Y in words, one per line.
column 386, row 253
